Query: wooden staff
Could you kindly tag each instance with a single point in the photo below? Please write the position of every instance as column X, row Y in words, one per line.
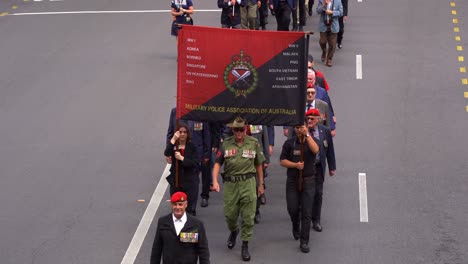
column 176, row 160
column 177, row 167
column 301, row 159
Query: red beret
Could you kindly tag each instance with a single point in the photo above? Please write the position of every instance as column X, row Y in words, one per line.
column 313, row 112
column 178, row 197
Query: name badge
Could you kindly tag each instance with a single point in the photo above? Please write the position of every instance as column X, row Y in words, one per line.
column 255, row 129
column 198, row 126
column 250, row 154
column 229, row 153
column 189, row 237
column 325, row 143
column 296, row 152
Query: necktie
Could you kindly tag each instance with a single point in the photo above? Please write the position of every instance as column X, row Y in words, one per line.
column 309, row 105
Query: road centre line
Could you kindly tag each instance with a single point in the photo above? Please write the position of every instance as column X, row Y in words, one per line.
column 359, row 67
column 363, row 211
column 147, row 219
column 107, row 12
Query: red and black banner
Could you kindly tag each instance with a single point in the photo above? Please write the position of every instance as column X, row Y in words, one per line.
column 224, row 73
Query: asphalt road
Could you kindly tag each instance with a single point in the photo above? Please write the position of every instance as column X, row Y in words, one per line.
column 84, row 106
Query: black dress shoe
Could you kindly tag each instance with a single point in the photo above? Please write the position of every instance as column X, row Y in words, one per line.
column 204, row 202
column 310, row 12
column 340, row 46
column 317, row 227
column 304, row 248
column 257, row 218
column 232, row 239
column 296, row 232
column 245, row 251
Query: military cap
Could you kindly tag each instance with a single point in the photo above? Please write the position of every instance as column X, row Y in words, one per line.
column 238, row 122
column 178, row 197
column 313, row 112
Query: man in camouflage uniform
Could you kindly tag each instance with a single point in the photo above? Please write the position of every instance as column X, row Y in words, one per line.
column 243, row 160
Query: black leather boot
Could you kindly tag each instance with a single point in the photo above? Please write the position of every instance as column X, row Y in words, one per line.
column 245, row 251
column 232, row 239
column 304, row 247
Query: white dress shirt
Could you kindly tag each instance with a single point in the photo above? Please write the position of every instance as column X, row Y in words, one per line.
column 179, row 223
column 312, row 105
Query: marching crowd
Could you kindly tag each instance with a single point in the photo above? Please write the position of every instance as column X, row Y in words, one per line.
column 253, row 14
column 238, row 154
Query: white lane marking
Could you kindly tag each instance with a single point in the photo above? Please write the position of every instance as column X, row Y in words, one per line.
column 364, row 215
column 107, row 12
column 146, row 220
column 359, row 67
column 359, row 1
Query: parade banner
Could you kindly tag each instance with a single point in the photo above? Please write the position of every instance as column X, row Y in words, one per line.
column 258, row 75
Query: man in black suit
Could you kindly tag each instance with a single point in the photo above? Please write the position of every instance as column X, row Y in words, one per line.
column 180, row 237
column 283, row 9
column 326, row 155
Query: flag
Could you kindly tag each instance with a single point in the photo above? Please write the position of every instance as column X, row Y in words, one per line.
column 258, row 75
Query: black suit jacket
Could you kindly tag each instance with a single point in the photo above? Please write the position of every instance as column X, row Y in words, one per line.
column 188, row 169
column 201, row 139
column 167, row 243
column 327, row 150
column 227, row 17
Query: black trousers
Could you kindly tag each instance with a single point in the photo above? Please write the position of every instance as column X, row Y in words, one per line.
column 283, row 16
column 317, row 207
column 259, row 201
column 262, row 14
column 302, row 14
column 206, row 179
column 341, row 32
column 300, row 204
column 311, row 4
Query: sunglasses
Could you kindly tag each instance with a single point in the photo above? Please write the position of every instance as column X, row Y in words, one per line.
column 239, row 129
column 310, row 92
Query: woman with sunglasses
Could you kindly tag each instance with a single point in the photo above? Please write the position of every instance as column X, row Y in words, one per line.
column 184, row 171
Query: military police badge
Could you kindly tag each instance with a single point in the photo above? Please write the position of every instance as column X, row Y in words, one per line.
column 240, row 76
